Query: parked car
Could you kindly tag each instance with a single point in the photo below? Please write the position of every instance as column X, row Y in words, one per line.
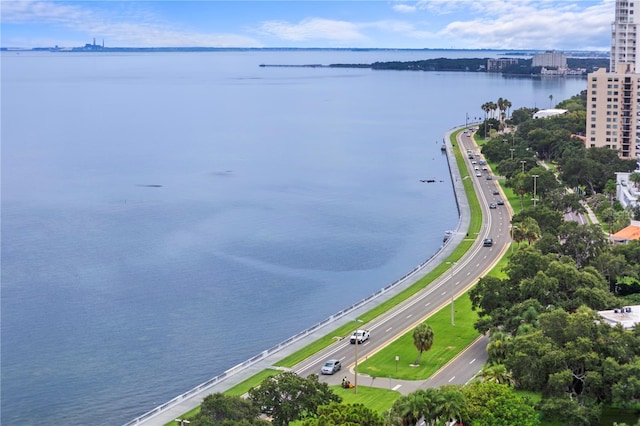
column 487, row 242
column 331, row 366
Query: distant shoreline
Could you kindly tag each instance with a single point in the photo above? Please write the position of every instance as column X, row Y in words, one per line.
column 94, row 48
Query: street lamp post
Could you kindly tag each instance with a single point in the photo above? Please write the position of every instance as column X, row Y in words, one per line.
column 355, row 368
column 523, row 162
column 512, row 228
column 511, row 149
column 453, row 265
column 535, row 198
column 182, row 422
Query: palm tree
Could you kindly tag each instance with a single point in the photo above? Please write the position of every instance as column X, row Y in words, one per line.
column 502, row 110
column 498, row 346
column 432, row 404
column 422, row 339
column 453, row 406
column 518, row 234
column 497, row 373
column 486, row 108
column 531, row 229
column 493, row 107
column 507, row 105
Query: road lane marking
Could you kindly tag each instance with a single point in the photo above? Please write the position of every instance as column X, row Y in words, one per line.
column 451, row 379
column 388, row 329
column 472, row 361
column 396, row 387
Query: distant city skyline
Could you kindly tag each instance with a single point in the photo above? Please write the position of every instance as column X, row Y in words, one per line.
column 436, row 24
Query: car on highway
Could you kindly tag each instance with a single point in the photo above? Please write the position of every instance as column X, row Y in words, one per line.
column 496, row 192
column 489, row 177
column 478, row 174
column 359, row 336
column 331, row 366
column 487, row 242
column 493, row 205
column 500, row 202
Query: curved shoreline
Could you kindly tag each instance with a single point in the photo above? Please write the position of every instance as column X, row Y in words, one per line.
column 265, row 359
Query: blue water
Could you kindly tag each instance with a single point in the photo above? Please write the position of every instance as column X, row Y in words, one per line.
column 167, row 216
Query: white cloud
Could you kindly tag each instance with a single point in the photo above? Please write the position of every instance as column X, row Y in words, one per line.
column 404, row 8
column 314, row 29
column 523, row 26
column 125, row 26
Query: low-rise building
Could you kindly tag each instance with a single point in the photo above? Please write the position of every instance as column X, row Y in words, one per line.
column 626, row 316
column 627, row 193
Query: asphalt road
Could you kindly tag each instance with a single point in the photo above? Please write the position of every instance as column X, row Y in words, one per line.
column 405, row 317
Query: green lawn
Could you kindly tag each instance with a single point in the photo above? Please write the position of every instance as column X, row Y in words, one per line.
column 449, row 340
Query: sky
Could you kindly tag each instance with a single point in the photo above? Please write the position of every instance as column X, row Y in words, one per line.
column 392, row 24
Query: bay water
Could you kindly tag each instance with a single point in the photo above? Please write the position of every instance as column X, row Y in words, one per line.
column 166, row 216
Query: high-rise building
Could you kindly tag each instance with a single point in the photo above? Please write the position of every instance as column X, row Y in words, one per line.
column 613, row 114
column 624, row 33
column 550, row 59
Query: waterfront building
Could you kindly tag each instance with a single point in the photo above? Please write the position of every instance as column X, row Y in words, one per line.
column 550, row 59
column 613, row 116
column 499, row 64
column 624, row 34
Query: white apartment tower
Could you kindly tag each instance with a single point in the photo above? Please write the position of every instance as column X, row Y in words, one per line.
column 624, row 31
column 613, row 114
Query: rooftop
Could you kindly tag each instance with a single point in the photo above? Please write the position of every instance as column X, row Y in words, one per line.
column 627, row 316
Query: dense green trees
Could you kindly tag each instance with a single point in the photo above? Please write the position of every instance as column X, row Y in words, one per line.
column 546, row 335
column 288, row 397
column 492, row 404
column 336, row 414
column 434, row 405
column 223, row 410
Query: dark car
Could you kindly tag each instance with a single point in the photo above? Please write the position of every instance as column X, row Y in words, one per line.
column 499, row 202
column 496, row 192
column 489, row 177
column 487, row 242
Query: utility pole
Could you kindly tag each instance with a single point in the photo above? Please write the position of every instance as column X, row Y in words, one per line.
column 535, row 180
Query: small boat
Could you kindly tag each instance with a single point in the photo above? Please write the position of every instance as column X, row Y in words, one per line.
column 447, row 235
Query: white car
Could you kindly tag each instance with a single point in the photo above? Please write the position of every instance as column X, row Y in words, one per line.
column 359, row 336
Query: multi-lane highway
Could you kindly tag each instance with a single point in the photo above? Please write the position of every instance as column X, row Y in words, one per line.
column 463, row 274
